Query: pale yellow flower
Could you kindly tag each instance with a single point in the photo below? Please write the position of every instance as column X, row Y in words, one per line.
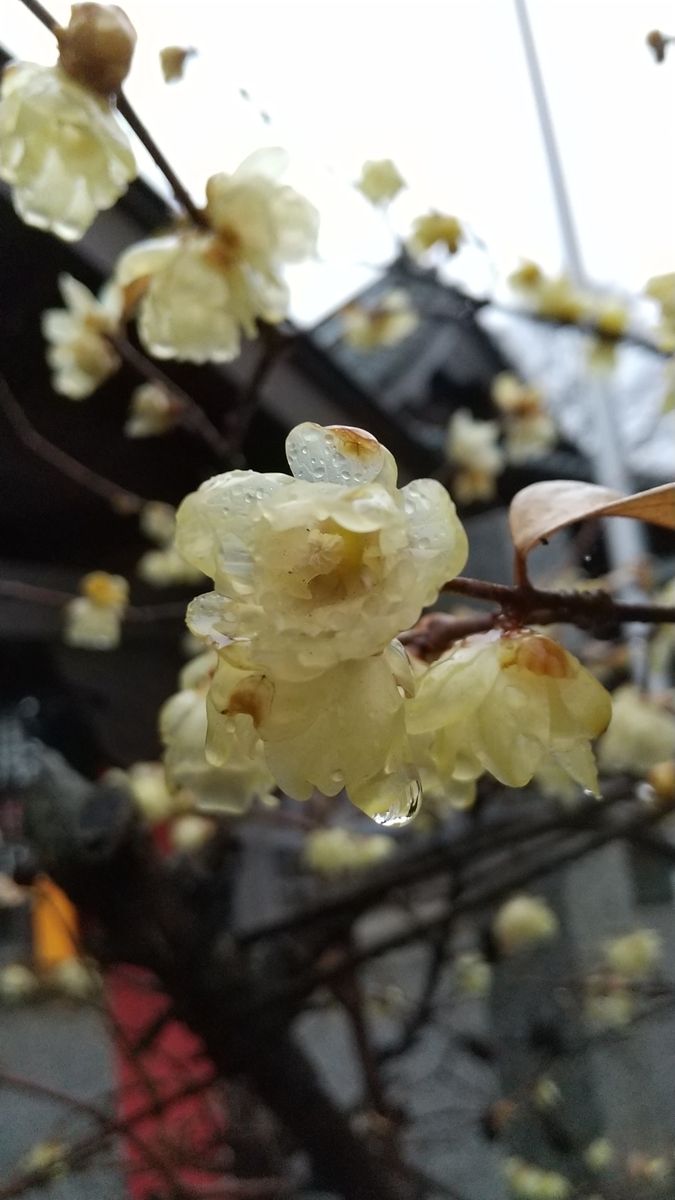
column 527, row 276
column 436, row 229
column 608, row 1002
column 148, row 785
column 321, row 567
column 472, row 449
column 546, row 1093
column 514, row 398
column 341, row 729
column 164, row 567
column 190, row 832
column 387, row 322
column 17, row 983
column 507, row 703
column 472, row 973
column 183, row 729
column 634, row 955
column 338, row 851
column 530, row 437
column 61, row 150
column 641, row 733
column 199, row 291
column 523, row 922
column 661, row 288
column 79, row 354
column 93, row 620
column 74, row 978
column 529, row 1182
column 381, row 181
column 599, row 1154
column 153, row 411
column 48, row 1157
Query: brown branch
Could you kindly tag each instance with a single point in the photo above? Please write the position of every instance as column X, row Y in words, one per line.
column 79, row 1153
column 17, row 589
column 119, row 498
column 239, row 420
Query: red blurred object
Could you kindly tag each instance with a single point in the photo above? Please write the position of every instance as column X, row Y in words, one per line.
column 188, row 1140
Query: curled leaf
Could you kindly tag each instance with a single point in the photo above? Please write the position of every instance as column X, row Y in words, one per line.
column 543, row 508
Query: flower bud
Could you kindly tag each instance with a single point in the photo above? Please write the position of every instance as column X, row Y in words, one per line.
column 96, row 47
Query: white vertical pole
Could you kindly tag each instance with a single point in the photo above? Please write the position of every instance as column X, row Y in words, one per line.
column 625, row 540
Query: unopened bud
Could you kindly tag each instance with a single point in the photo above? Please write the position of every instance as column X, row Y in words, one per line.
column 97, row 46
column 662, row 779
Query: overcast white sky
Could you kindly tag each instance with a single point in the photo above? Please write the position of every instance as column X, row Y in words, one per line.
column 440, row 87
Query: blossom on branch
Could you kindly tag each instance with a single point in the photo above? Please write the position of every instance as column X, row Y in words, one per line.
column 93, row 620
column 61, row 150
column 641, row 734
column 319, row 567
column 198, row 292
column 337, row 851
column 79, row 353
column 508, row 702
column 164, row 567
column 472, row 449
column 523, row 922
column 634, row 955
column 529, row 430
column 435, row 229
column 381, row 181
column 152, row 412
column 389, row 321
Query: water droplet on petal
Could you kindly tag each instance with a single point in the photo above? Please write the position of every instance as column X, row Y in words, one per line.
column 391, row 798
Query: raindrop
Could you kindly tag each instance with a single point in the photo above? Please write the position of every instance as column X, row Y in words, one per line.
column 394, row 799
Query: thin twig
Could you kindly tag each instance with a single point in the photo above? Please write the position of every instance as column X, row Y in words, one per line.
column 191, row 416
column 18, row 589
column 120, row 498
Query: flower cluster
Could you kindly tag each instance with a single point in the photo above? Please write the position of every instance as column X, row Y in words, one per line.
column 198, row 291
column 61, row 149
column 529, row 1182
column 634, row 955
column 314, row 575
column 93, row 620
column 79, row 351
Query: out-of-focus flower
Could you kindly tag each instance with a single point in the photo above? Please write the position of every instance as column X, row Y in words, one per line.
column 472, row 449
column 472, row 973
column 661, row 778
column 153, row 411
column 48, row 1158
column 321, row 567
column 17, row 983
column 529, row 430
column 96, row 46
column 436, row 229
column 507, row 703
column 183, row 727
column 609, row 1002
column 560, row 300
column 79, row 354
column 191, row 832
column 649, row 1168
column 523, row 922
column 164, row 567
column 658, row 44
column 610, row 319
column 599, row 1154
column 640, row 735
column 381, row 181
column 338, row 851
column 148, row 786
column 74, row 978
column 529, row 1182
column 343, row 728
column 662, row 289
column 172, row 60
column 546, row 1093
column 198, row 292
column 526, row 277
column 634, row 955
column 61, row 150
column 11, row 895
column 93, row 620
column 389, row 321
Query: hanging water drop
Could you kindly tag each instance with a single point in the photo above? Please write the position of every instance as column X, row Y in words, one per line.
column 391, row 798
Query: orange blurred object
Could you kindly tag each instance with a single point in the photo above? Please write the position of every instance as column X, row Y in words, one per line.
column 55, row 925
